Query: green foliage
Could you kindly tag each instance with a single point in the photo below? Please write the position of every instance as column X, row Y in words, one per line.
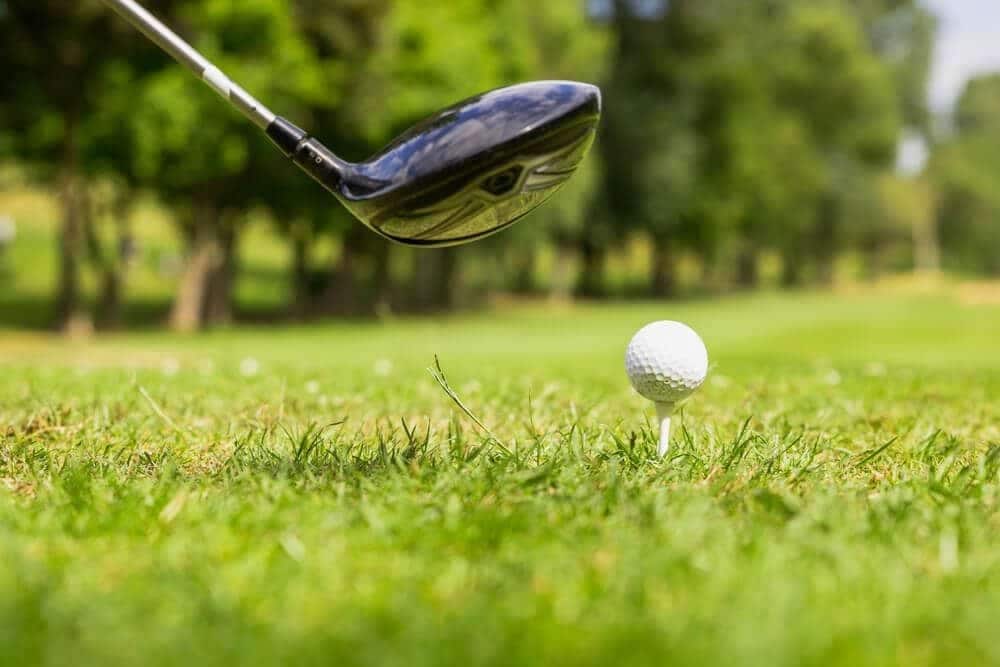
column 185, row 140
column 43, row 102
column 966, row 167
column 902, row 33
column 449, row 50
column 843, row 92
column 978, row 109
column 433, row 53
column 719, row 137
column 830, row 498
column 734, row 129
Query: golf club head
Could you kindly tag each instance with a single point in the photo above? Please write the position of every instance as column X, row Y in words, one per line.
column 467, row 171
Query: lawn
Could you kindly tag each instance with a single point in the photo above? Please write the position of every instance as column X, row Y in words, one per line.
column 312, row 496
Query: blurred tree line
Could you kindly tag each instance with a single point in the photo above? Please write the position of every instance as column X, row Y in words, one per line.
column 736, row 132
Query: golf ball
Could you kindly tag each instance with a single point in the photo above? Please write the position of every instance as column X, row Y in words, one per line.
column 666, row 361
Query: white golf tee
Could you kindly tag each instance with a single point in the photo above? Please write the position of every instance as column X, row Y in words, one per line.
column 664, row 411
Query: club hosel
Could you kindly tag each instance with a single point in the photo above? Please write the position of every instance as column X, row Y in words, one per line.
column 285, row 135
column 313, row 157
column 319, row 162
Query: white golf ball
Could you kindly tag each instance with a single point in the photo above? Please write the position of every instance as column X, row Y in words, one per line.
column 666, row 361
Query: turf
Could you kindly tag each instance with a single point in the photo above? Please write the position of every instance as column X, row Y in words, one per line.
column 313, row 496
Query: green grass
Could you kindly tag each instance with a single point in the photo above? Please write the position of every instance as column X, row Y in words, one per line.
column 831, row 497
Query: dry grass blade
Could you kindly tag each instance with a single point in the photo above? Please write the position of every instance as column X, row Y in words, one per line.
column 438, row 374
column 161, row 414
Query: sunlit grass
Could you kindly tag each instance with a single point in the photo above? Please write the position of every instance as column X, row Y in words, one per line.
column 311, row 495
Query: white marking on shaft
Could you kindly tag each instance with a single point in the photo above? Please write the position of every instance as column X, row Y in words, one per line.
column 214, row 77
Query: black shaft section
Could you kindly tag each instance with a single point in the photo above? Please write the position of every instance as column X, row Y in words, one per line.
column 315, row 159
column 286, row 135
column 319, row 162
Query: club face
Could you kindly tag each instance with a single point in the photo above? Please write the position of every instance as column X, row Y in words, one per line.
column 477, row 167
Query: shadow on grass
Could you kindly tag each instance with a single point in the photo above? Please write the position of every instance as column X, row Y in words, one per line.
column 33, row 314
column 25, row 313
column 30, row 313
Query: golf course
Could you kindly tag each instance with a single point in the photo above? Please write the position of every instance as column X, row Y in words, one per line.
column 580, row 333
column 313, row 494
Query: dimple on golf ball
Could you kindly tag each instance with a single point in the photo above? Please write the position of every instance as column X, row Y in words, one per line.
column 666, row 361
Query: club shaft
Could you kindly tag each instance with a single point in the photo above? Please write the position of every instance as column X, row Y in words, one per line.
column 185, row 54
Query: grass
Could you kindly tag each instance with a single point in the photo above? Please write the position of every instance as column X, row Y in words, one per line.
column 313, row 496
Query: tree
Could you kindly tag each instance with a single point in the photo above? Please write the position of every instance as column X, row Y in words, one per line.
column 651, row 147
column 51, row 94
column 846, row 96
column 438, row 53
column 562, row 43
column 206, row 161
column 901, row 33
column 966, row 168
column 726, row 141
column 343, row 36
column 910, row 203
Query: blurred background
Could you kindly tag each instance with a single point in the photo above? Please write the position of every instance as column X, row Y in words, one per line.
column 746, row 144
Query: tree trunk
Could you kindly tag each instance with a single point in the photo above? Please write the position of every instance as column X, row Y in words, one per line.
column 709, row 273
column 109, row 301
column 663, row 280
column 447, row 292
column 525, row 262
column 875, row 252
column 204, row 252
column 747, row 269
column 341, row 295
column 382, row 278
column 561, row 287
column 993, row 268
column 114, row 268
column 218, row 307
column 926, row 247
column 434, row 279
column 424, row 265
column 301, row 292
column 825, row 240
column 591, row 279
column 69, row 313
column 791, row 268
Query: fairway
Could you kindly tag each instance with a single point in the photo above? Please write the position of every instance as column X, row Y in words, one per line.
column 311, row 495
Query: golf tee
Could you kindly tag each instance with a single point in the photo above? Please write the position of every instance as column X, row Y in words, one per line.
column 664, row 411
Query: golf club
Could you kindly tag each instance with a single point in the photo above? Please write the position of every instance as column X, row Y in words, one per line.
column 462, row 174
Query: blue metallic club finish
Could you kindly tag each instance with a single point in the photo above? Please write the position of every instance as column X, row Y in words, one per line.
column 466, row 172
column 462, row 174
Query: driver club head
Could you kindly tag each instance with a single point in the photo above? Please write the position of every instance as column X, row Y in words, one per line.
column 467, row 171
